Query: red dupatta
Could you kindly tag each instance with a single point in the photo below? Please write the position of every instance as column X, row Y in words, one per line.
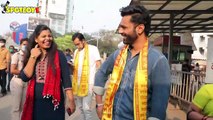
column 51, row 89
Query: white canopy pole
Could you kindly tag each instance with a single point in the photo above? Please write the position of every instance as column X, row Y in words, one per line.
column 209, row 67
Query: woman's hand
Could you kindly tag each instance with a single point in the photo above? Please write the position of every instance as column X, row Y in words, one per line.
column 29, row 68
column 36, row 51
column 71, row 103
column 72, row 106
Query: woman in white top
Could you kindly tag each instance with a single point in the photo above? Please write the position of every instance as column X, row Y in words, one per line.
column 17, row 86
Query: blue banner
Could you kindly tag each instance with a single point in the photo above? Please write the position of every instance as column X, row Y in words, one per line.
column 20, row 33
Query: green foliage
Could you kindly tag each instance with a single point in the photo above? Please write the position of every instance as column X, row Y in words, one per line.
column 107, row 41
column 87, row 36
column 64, row 42
column 107, row 46
column 153, row 37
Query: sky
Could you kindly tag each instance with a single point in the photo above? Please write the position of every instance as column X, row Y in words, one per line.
column 98, row 14
column 89, row 15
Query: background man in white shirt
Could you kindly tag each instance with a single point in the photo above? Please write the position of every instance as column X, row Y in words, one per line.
column 94, row 60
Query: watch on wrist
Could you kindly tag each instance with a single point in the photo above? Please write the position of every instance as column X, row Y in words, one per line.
column 34, row 57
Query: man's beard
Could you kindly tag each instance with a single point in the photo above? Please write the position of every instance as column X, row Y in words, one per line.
column 129, row 39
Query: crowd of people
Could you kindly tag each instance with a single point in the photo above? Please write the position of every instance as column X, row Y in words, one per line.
column 138, row 75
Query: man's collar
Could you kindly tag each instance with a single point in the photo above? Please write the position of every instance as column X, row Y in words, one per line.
column 130, row 47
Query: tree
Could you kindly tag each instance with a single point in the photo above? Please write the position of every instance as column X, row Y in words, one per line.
column 107, row 41
column 64, row 42
column 153, row 37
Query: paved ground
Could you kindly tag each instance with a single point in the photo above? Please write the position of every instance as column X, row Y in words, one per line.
column 173, row 113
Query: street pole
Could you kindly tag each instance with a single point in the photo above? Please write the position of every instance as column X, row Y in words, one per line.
column 97, row 43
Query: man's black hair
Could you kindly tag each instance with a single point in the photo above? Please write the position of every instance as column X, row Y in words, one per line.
column 24, row 39
column 139, row 15
column 3, row 40
column 78, row 35
column 68, row 50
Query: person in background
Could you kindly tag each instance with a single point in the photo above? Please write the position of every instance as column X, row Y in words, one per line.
column 201, row 107
column 197, row 68
column 86, row 61
column 18, row 87
column 46, row 69
column 139, row 87
column 69, row 59
column 12, row 49
column 10, row 75
column 197, row 72
column 4, row 66
column 186, row 68
column 68, row 54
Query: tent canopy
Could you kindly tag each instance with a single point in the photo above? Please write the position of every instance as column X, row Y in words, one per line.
column 195, row 16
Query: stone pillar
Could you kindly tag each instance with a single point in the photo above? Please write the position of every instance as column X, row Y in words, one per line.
column 209, row 67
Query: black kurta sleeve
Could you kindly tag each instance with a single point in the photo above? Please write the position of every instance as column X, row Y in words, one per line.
column 65, row 72
column 24, row 77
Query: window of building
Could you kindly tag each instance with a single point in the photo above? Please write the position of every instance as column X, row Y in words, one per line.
column 182, row 55
column 60, row 28
column 53, row 27
column 53, row 21
column 201, row 50
column 53, row 1
column 60, row 22
column 178, row 55
column 202, row 38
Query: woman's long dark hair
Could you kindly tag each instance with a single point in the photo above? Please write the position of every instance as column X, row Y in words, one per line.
column 50, row 51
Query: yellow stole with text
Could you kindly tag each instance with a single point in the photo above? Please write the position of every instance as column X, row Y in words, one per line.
column 82, row 89
column 140, row 84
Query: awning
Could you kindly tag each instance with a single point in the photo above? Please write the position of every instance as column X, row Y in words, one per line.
column 195, row 16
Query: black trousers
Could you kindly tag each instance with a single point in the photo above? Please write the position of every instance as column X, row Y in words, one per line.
column 10, row 76
column 3, row 82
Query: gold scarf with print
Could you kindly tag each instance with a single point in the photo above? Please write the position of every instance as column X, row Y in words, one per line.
column 140, row 84
column 82, row 89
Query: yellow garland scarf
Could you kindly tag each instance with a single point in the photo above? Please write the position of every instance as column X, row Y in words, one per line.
column 82, row 90
column 140, row 84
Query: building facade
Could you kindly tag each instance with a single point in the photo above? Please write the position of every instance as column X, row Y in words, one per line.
column 201, row 43
column 59, row 12
column 69, row 16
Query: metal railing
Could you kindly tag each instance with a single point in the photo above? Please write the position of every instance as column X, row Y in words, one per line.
column 185, row 84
